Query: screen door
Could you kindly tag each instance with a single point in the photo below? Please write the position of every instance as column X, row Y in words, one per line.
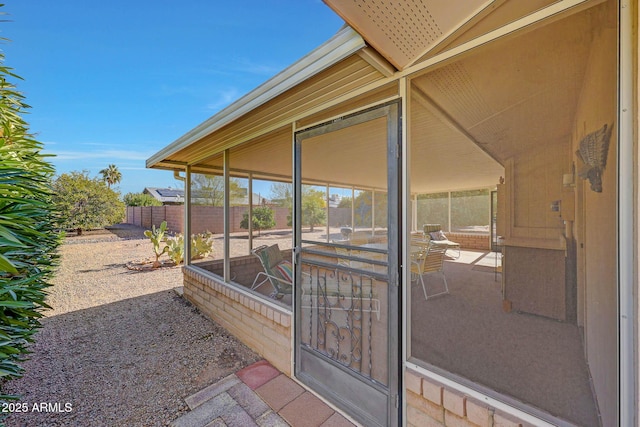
column 346, row 215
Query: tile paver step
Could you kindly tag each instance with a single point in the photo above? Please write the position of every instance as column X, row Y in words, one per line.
column 211, row 391
column 207, row 412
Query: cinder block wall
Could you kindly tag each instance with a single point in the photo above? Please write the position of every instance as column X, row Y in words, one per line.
column 134, row 215
column 263, row 327
column 174, row 215
column 244, row 269
column 432, row 404
column 203, row 218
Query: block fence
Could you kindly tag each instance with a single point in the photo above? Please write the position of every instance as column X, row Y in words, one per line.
column 263, row 327
column 203, row 218
column 209, row 218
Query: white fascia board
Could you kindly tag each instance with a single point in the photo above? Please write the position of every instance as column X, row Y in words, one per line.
column 344, row 44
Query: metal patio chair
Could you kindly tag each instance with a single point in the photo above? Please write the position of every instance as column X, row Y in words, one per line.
column 429, row 261
column 277, row 271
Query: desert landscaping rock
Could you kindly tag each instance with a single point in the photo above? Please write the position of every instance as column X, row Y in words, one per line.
column 119, row 347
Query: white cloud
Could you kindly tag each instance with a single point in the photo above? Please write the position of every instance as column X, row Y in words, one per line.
column 225, row 98
column 131, row 168
column 247, row 66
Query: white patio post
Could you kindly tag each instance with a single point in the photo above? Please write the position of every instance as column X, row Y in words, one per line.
column 627, row 211
column 414, row 211
column 327, row 197
column 405, row 197
column 250, row 226
column 353, row 209
column 226, row 219
column 187, row 216
column 373, row 212
column 449, row 214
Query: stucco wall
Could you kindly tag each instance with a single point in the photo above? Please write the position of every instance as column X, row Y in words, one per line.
column 596, row 226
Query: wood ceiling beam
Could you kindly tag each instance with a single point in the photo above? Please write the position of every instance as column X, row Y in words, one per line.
column 480, row 14
column 443, row 116
column 542, row 17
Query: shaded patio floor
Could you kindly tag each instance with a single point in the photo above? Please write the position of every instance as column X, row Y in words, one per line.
column 538, row 361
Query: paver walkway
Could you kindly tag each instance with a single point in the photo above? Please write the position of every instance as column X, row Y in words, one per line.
column 258, row 395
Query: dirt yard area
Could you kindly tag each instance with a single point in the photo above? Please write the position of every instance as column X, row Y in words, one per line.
column 119, row 347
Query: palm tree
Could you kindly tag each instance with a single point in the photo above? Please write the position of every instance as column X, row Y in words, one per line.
column 111, row 175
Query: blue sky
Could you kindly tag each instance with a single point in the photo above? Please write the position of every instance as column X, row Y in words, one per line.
column 116, row 81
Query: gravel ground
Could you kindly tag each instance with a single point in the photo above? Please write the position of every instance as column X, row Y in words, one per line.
column 119, row 347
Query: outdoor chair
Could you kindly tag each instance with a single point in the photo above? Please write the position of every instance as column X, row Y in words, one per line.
column 342, row 253
column 277, row 271
column 428, row 260
column 434, row 234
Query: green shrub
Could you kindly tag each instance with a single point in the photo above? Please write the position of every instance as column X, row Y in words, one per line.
column 141, row 199
column 262, row 219
column 85, row 202
column 27, row 239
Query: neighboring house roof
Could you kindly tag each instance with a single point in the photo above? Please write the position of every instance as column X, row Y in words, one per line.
column 175, row 195
column 166, row 195
column 257, row 200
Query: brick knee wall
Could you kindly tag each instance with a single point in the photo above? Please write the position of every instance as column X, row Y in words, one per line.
column 432, row 404
column 470, row 241
column 263, row 327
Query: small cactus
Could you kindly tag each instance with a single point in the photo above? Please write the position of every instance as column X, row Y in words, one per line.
column 157, row 235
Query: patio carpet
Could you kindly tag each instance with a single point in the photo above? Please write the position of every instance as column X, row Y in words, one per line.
column 537, row 360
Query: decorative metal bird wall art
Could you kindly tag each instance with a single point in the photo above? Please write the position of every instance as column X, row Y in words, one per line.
column 592, row 156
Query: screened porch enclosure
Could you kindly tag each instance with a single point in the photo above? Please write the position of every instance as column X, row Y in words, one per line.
column 491, row 153
column 525, row 321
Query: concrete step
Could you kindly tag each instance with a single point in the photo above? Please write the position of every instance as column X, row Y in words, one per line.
column 208, row 412
column 228, row 403
column 211, row 391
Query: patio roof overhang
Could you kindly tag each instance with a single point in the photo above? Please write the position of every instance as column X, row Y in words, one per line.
column 476, row 124
column 297, row 89
column 408, row 33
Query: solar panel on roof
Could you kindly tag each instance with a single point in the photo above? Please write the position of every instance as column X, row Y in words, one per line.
column 170, row 192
